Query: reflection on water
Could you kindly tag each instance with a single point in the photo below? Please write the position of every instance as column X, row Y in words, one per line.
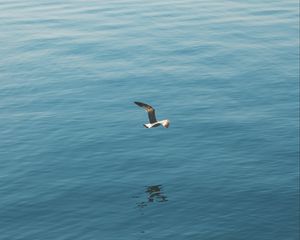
column 154, row 194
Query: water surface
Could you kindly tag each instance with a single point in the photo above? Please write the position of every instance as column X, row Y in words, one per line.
column 76, row 162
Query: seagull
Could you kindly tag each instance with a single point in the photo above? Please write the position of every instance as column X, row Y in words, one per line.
column 152, row 119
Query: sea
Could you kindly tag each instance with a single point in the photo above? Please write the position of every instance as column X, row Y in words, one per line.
column 76, row 162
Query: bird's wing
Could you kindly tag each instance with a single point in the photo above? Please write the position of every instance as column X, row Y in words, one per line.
column 150, row 110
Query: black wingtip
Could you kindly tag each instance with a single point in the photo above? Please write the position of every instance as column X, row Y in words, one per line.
column 138, row 103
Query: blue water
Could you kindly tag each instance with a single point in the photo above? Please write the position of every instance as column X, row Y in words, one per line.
column 76, row 161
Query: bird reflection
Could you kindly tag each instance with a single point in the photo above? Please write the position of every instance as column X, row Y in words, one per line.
column 154, row 194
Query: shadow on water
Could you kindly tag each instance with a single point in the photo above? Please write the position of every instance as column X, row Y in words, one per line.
column 151, row 195
column 154, row 194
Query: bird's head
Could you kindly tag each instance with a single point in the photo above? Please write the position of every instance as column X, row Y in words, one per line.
column 166, row 123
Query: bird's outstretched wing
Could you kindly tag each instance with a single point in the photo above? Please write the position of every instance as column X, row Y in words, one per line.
column 150, row 110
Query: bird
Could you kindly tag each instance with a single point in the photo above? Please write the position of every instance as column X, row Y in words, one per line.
column 152, row 119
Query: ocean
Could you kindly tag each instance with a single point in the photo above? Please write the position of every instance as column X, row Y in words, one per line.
column 76, row 161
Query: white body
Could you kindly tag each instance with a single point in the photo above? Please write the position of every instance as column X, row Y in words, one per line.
column 164, row 123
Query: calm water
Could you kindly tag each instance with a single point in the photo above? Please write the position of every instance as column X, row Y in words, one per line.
column 76, row 162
